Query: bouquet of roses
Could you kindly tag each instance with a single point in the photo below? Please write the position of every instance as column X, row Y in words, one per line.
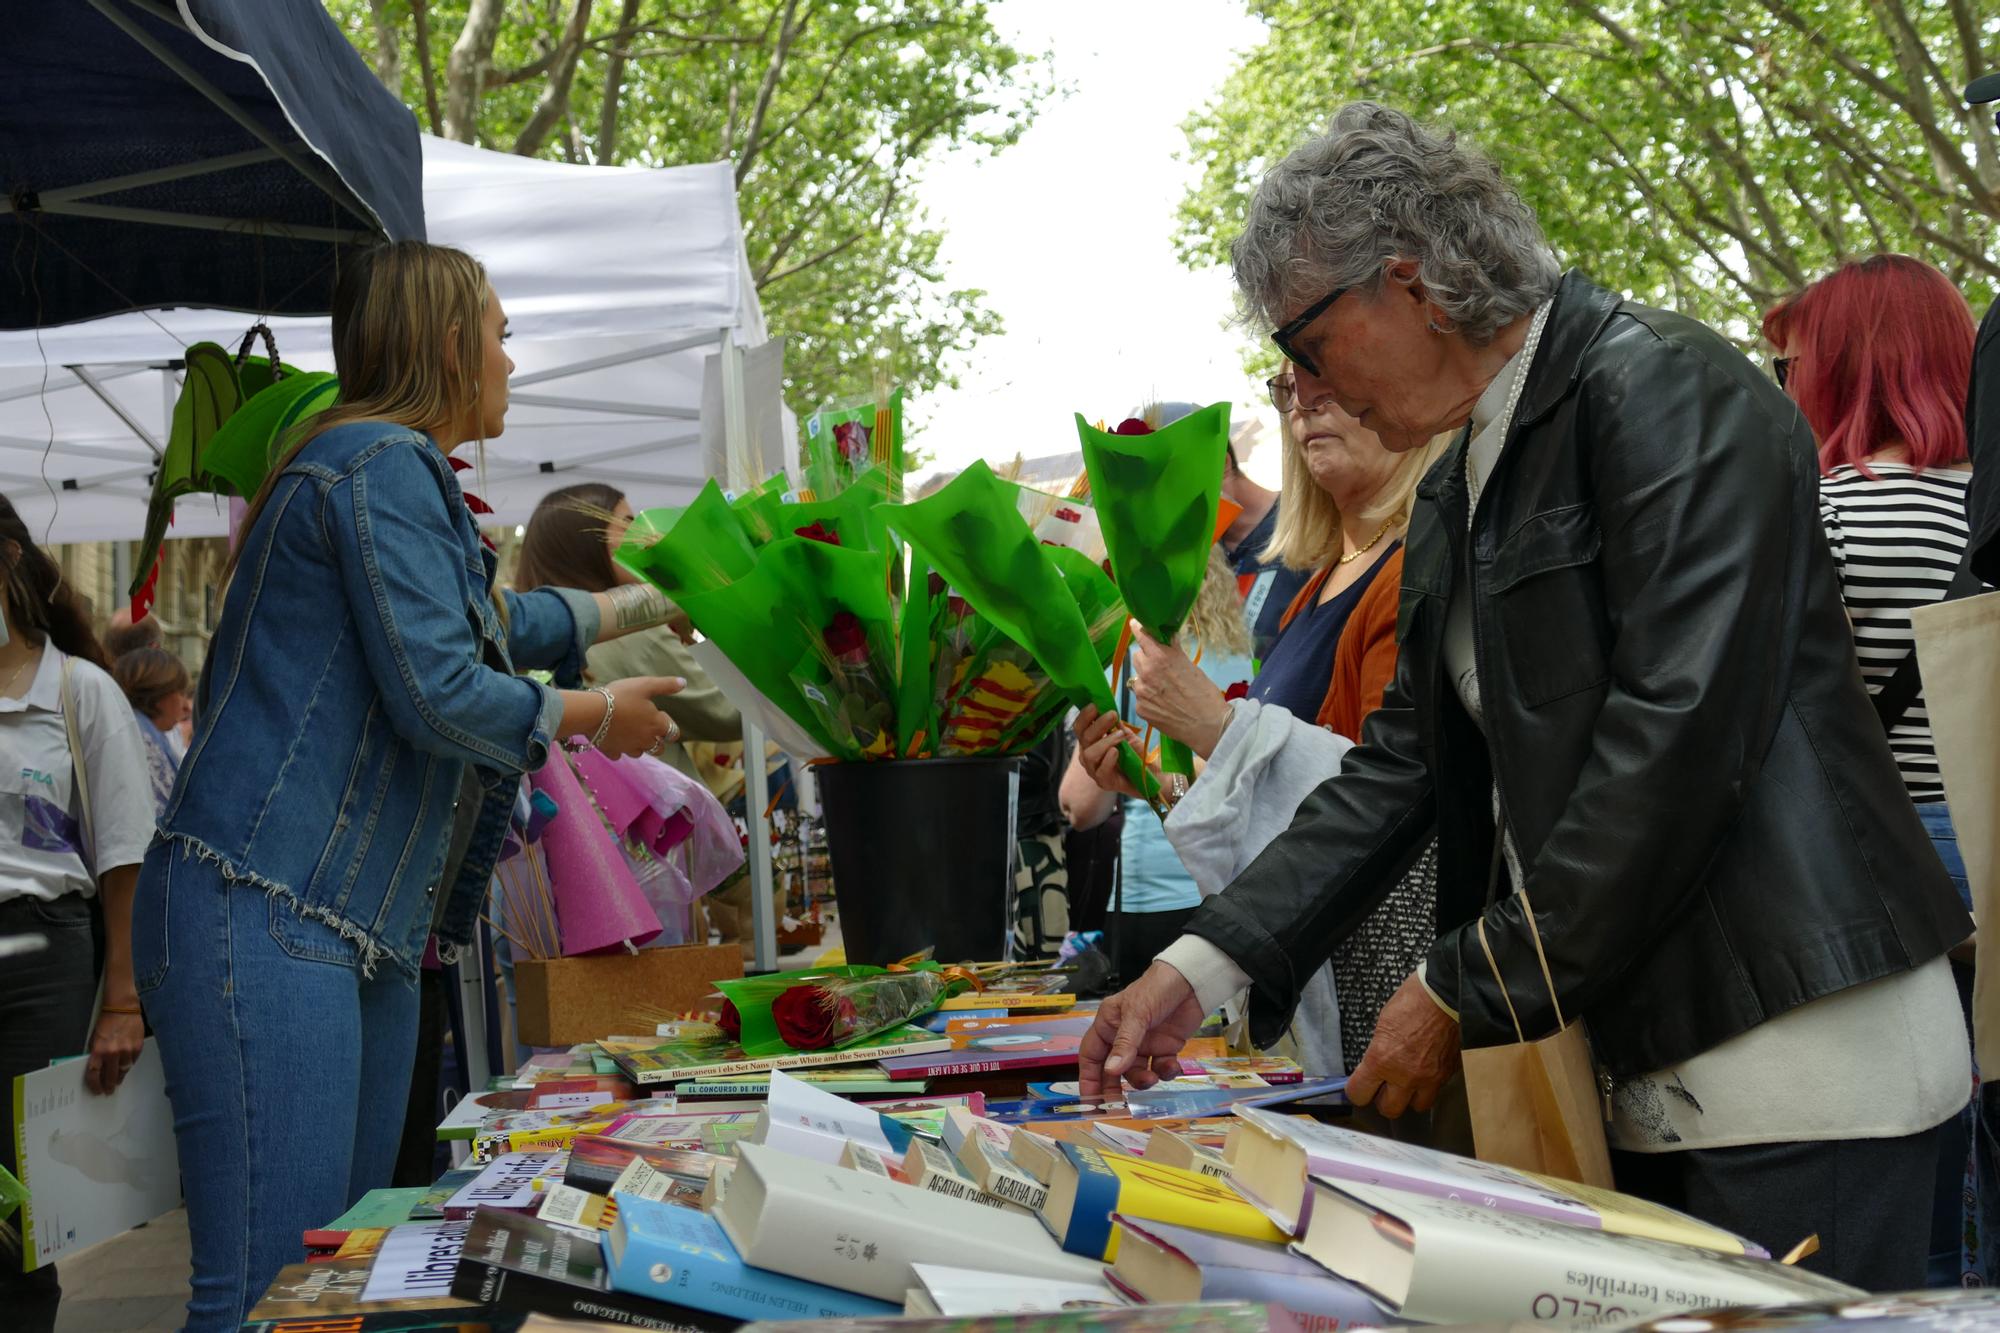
column 1156, row 493
column 830, row 1008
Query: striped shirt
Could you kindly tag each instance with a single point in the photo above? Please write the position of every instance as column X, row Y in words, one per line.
column 1897, row 540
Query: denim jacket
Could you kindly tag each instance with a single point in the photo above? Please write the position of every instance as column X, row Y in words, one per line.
column 359, row 669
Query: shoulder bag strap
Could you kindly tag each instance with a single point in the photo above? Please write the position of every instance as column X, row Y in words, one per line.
column 1893, row 700
column 79, row 772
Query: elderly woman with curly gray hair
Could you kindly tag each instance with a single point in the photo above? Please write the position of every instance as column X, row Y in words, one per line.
column 1627, row 699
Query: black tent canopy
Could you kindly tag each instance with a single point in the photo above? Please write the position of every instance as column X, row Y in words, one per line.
column 215, row 153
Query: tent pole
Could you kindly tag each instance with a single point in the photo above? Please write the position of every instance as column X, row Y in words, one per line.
column 756, row 782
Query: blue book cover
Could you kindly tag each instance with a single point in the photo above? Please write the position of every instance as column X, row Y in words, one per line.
column 681, row 1255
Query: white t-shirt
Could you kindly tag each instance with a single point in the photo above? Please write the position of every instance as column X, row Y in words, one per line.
column 42, row 852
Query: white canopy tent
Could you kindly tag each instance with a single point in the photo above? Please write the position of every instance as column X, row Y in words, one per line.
column 618, row 284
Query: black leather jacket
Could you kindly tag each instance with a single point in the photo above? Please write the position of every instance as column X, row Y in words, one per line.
column 1711, row 826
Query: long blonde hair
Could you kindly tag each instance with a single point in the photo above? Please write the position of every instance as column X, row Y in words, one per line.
column 407, row 347
column 1216, row 621
column 1307, row 534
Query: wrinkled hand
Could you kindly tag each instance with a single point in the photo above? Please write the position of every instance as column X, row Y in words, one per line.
column 638, row 726
column 1138, row 1034
column 114, row 1045
column 1171, row 692
column 1098, row 738
column 1414, row 1053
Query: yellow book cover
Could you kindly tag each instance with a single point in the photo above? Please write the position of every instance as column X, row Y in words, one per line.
column 1088, row 1186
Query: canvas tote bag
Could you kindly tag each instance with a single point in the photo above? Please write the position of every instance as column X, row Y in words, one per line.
column 1535, row 1104
column 1958, row 647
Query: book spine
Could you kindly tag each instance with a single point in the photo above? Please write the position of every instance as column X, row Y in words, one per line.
column 511, row 1289
column 765, row 1064
column 1097, row 1186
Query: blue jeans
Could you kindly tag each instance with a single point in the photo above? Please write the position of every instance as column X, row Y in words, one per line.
column 288, row 1071
column 1936, row 816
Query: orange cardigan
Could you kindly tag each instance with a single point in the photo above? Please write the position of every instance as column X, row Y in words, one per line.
column 1365, row 659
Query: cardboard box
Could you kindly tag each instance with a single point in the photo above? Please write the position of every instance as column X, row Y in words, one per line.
column 563, row 1001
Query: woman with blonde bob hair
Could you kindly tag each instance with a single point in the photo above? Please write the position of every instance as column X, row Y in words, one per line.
column 361, row 739
column 1343, row 511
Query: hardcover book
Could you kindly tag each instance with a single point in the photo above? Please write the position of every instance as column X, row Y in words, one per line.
column 1270, row 1157
column 525, row 1265
column 1446, row 1261
column 674, row 1254
column 1162, row 1264
column 861, row 1234
column 1089, row 1186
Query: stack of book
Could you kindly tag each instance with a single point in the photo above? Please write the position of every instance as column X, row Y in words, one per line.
column 665, row 1183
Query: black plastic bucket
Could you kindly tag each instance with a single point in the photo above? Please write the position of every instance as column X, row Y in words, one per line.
column 923, row 855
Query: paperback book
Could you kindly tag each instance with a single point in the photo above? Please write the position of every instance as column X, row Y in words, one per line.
column 1089, row 1186
column 527, row 1265
column 674, row 1062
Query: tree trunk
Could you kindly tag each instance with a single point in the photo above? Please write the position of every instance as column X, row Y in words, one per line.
column 420, row 21
column 465, row 72
column 388, row 46
column 614, row 88
column 553, row 104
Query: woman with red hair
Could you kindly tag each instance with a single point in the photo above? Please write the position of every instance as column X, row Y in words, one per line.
column 1878, row 355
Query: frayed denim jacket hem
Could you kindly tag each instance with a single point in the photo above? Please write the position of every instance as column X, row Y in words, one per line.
column 360, row 666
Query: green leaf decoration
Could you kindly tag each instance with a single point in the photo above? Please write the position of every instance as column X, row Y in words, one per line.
column 241, row 454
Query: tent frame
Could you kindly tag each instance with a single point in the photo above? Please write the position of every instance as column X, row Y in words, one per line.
column 75, row 200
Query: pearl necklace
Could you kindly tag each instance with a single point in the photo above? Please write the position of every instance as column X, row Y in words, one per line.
column 1506, row 420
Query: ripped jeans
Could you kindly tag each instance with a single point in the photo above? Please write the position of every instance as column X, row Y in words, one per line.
column 288, row 1070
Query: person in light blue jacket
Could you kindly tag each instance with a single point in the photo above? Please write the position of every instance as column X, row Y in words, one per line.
column 360, row 738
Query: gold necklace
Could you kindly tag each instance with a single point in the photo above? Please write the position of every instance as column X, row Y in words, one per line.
column 7, row 690
column 1360, row 551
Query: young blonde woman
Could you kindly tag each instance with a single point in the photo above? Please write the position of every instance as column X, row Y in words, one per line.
column 361, row 737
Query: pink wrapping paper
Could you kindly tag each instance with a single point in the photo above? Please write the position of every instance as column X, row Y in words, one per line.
column 599, row 904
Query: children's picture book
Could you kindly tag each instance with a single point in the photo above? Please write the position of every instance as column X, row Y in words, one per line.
column 994, row 1045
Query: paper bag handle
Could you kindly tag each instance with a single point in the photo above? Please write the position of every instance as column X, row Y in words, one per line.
column 1534, row 933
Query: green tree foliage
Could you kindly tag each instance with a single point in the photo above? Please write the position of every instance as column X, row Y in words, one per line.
column 827, row 108
column 1705, row 155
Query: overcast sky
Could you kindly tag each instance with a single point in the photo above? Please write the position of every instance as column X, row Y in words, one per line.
column 1069, row 232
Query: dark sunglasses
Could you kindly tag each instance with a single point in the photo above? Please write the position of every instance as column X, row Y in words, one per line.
column 1782, row 367
column 1294, row 327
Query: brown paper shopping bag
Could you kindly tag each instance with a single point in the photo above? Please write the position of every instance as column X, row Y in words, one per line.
column 1535, row 1104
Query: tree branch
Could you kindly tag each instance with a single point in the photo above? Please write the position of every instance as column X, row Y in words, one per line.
column 1985, row 144
column 553, row 104
column 1947, row 151
column 773, row 70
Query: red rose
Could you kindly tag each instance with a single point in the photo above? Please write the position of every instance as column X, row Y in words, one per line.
column 937, row 584
column 854, row 441
column 730, row 1021
column 819, row 532
column 1132, row 426
column 845, row 637
column 1240, row 690
column 806, row 1022
column 1069, row 515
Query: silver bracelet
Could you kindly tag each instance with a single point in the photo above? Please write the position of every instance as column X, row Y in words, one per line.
column 604, row 727
column 637, row 605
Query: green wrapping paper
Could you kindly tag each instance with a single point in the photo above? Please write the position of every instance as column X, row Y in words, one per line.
column 774, row 622
column 973, row 534
column 699, row 549
column 1156, row 498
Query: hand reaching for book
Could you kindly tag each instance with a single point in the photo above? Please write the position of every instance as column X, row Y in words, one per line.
column 1138, row 1034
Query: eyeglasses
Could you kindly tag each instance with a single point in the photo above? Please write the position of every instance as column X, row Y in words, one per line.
column 1293, row 328
column 1284, row 392
column 1782, row 367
